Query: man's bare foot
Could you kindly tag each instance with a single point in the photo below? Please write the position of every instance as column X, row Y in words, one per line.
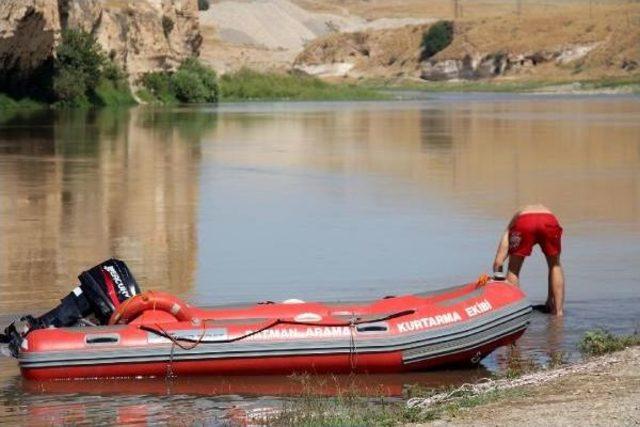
column 542, row 308
column 548, row 309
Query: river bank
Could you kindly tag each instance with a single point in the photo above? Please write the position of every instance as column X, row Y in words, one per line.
column 603, row 86
column 601, row 391
column 249, row 86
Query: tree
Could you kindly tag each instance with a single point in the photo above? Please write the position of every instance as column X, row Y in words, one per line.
column 82, row 73
column 70, row 87
column 437, row 37
column 77, row 67
column 79, row 51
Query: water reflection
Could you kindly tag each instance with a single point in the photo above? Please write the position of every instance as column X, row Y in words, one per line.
column 339, row 200
column 197, row 400
column 79, row 186
column 579, row 157
column 388, row 385
column 222, row 204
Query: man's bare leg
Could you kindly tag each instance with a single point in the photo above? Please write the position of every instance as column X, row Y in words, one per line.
column 515, row 264
column 555, row 298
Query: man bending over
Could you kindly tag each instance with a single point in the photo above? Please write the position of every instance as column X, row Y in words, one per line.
column 534, row 224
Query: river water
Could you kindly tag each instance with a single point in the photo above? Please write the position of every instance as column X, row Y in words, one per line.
column 319, row 201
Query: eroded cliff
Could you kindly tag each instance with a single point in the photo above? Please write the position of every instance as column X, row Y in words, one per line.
column 29, row 30
column 140, row 35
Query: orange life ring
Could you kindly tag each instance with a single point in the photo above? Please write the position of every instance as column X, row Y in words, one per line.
column 150, row 300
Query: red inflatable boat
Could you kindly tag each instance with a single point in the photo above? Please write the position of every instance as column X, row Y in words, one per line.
column 156, row 334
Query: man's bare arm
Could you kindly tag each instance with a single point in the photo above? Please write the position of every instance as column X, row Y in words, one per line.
column 503, row 246
column 502, row 252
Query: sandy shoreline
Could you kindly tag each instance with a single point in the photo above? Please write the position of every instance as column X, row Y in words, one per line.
column 605, row 393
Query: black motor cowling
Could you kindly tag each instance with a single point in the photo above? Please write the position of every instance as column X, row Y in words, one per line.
column 106, row 286
column 101, row 291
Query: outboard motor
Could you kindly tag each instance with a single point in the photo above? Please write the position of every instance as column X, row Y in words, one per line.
column 101, row 291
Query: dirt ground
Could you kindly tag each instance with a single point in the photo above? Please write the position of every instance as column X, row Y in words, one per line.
column 608, row 395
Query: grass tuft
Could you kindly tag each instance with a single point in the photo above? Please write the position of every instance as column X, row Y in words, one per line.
column 472, row 400
column 113, row 94
column 349, row 409
column 600, row 341
column 249, row 85
column 8, row 103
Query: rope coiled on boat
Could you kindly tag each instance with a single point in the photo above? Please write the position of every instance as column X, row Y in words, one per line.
column 160, row 331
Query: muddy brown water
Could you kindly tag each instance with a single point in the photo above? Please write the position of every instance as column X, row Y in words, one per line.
column 318, row 201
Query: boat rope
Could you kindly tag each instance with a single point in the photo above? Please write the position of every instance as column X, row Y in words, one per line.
column 160, row 331
column 352, row 343
column 482, row 280
column 123, row 307
column 170, row 373
column 175, row 343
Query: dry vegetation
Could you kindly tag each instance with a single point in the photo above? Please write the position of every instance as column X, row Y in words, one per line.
column 616, row 29
column 374, row 9
column 466, row 9
column 488, row 27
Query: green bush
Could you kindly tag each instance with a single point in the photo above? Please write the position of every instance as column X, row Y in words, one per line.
column 80, row 52
column 84, row 75
column 112, row 72
column 157, row 82
column 188, row 87
column 192, row 82
column 70, row 87
column 203, row 4
column 204, row 78
column 436, row 38
column 157, row 86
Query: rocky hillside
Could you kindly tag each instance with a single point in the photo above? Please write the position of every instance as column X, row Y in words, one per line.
column 140, row 35
column 269, row 34
column 559, row 42
column 564, row 45
column 393, row 52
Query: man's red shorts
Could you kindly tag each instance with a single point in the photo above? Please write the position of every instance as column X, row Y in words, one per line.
column 529, row 229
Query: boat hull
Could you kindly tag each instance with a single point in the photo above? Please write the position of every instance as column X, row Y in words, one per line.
column 460, row 325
